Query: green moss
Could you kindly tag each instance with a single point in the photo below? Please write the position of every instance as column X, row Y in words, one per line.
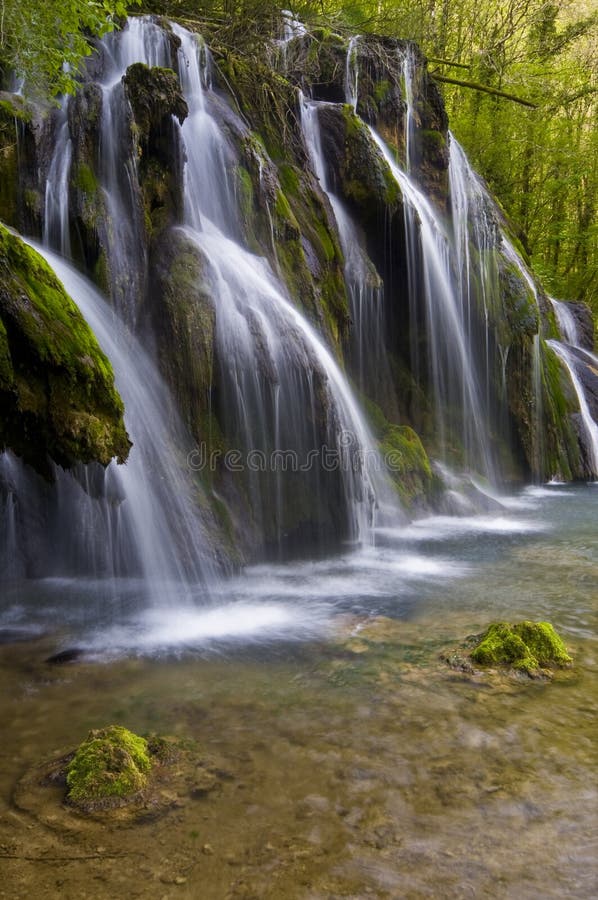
column 289, row 179
column 244, row 186
column 110, row 765
column 85, row 180
column 407, row 463
column 366, row 178
column 155, row 94
column 6, row 369
column 283, row 210
column 525, row 646
column 520, row 305
column 63, row 402
column 432, row 141
column 382, row 89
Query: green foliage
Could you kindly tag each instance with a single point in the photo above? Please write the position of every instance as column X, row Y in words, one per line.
column 44, row 43
column 525, row 646
column 110, row 765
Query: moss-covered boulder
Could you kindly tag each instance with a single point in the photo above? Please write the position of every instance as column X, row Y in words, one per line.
column 409, row 466
column 57, row 394
column 109, row 767
column 154, row 94
column 357, row 169
column 525, row 646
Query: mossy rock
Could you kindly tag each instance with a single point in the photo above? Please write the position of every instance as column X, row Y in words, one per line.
column 57, row 394
column 408, row 464
column 529, row 647
column 109, row 767
column 155, row 94
column 117, row 777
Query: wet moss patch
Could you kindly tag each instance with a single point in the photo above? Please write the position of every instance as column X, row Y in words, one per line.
column 530, row 647
column 119, row 777
column 57, row 394
column 109, row 766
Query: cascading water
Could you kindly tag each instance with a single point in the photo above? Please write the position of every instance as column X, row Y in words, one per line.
column 572, row 362
column 56, row 207
column 273, row 365
column 136, row 520
column 574, row 357
column 474, row 232
column 407, row 65
column 566, row 322
column 452, row 360
column 352, row 73
column 366, row 293
column 121, row 220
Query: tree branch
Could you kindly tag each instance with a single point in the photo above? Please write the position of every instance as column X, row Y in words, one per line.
column 484, row 89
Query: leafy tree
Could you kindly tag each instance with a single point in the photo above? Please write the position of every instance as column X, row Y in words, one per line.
column 45, row 42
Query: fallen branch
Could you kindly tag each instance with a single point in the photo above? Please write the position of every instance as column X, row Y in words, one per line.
column 447, row 62
column 484, row 89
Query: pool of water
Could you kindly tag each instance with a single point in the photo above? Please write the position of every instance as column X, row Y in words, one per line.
column 355, row 762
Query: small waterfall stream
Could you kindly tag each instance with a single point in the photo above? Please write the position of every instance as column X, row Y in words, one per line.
column 572, row 363
column 573, row 356
column 452, row 359
column 136, row 520
column 365, row 288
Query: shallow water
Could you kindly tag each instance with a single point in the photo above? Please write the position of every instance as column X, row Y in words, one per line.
column 354, row 762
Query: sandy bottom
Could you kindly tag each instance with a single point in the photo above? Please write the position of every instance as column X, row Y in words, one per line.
column 358, row 767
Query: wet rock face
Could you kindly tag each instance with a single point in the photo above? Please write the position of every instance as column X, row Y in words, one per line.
column 57, row 395
column 181, row 310
column 20, row 200
column 585, row 324
column 319, row 61
column 155, row 96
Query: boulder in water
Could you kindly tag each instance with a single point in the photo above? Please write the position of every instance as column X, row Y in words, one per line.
column 529, row 647
column 110, row 766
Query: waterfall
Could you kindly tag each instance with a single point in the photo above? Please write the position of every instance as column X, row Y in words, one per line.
column 574, row 357
column 475, row 232
column 273, row 365
column 56, row 216
column 452, row 358
column 136, row 520
column 352, row 73
column 407, row 66
column 365, row 288
column 566, row 322
column 590, row 427
column 121, row 224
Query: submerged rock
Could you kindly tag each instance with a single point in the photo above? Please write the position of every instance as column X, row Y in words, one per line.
column 529, row 647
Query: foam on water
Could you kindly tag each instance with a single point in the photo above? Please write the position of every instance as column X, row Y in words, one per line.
column 439, row 528
column 166, row 630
